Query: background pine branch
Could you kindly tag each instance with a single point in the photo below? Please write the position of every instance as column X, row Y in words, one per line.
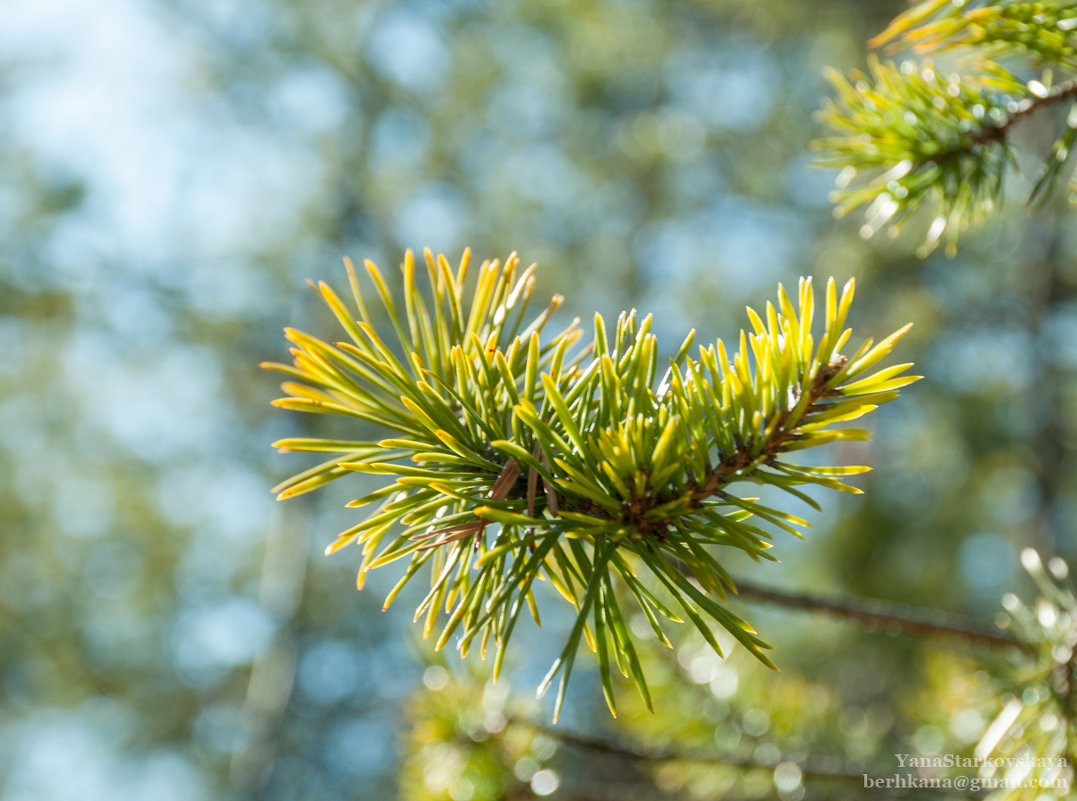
column 941, row 136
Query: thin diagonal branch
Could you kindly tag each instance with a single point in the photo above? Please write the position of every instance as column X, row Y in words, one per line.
column 825, row 769
column 905, row 620
column 831, row 769
column 998, row 132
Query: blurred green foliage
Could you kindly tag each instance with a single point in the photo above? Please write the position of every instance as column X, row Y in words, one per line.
column 943, row 134
column 466, row 740
column 172, row 172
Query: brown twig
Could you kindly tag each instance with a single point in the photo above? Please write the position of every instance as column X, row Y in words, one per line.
column 831, row 769
column 1067, row 90
column 900, row 619
column 998, row 132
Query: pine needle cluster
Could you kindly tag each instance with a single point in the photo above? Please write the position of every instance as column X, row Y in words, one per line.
column 512, row 457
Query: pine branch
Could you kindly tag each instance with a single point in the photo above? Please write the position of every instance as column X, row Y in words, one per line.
column 908, row 137
column 511, row 460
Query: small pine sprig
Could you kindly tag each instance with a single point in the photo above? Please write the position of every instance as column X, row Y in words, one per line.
column 510, row 460
column 919, row 138
column 1030, row 747
column 909, row 136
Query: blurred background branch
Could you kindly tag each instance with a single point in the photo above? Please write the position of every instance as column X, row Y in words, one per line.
column 939, row 136
column 889, row 618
